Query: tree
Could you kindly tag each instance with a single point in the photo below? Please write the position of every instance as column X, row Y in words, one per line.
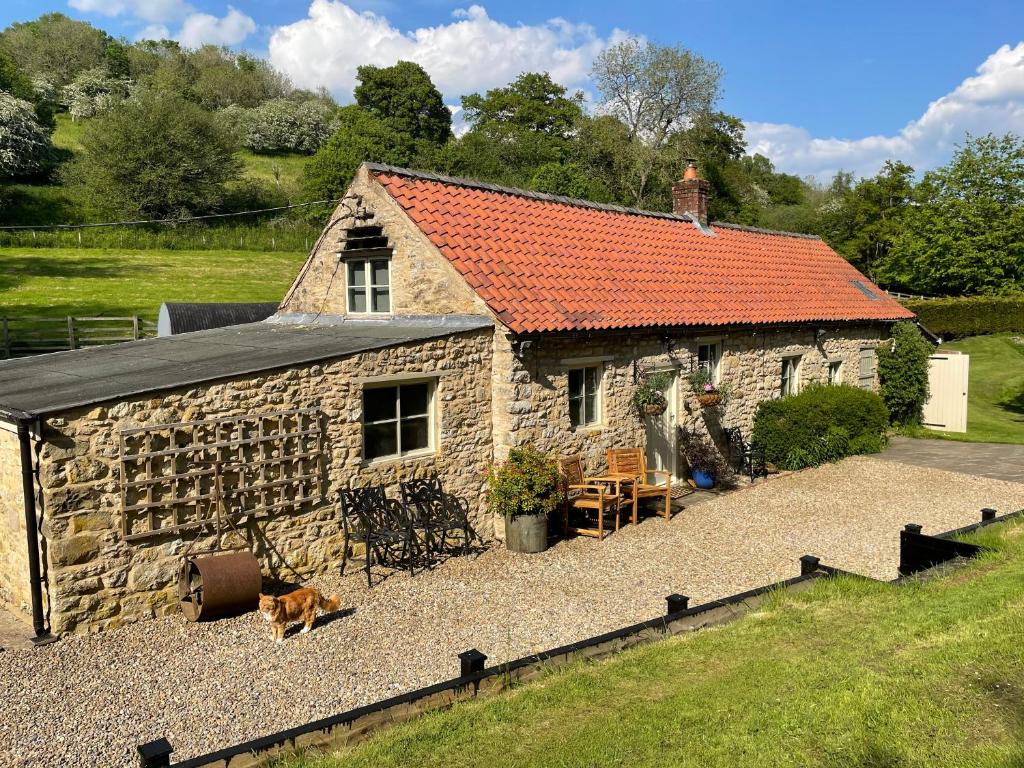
column 964, row 234
column 93, row 92
column 360, row 137
column 154, row 155
column 55, row 47
column 20, row 86
column 23, row 141
column 864, row 219
column 516, row 129
column 404, row 97
column 903, row 373
column 283, row 125
column 655, row 91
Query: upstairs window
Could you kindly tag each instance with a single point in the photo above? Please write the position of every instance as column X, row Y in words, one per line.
column 790, row 384
column 369, row 286
column 708, row 358
column 584, row 396
column 367, row 257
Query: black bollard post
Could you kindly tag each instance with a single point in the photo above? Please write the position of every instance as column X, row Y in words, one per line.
column 471, row 662
column 155, row 754
column 676, row 603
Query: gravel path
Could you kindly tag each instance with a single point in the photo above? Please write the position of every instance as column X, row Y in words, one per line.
column 90, row 700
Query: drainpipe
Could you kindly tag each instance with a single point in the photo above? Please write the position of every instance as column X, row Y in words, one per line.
column 42, row 636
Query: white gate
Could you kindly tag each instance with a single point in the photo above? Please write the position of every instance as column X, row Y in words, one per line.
column 946, row 408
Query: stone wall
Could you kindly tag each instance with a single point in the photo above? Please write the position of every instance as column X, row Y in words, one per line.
column 423, row 282
column 98, row 581
column 14, row 586
column 531, row 401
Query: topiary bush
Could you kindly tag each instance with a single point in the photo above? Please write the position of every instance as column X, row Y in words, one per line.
column 526, row 484
column 821, row 424
column 903, row 374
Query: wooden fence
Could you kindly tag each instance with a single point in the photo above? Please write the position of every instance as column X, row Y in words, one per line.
column 24, row 336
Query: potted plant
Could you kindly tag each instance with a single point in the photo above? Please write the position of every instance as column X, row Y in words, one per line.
column 705, row 462
column 649, row 394
column 709, row 394
column 524, row 490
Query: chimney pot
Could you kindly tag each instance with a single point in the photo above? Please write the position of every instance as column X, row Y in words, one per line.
column 690, row 195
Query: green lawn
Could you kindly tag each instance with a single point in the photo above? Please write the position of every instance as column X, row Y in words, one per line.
column 995, row 395
column 850, row 673
column 71, row 281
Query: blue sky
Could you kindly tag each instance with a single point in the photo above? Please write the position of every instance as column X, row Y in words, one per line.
column 821, row 85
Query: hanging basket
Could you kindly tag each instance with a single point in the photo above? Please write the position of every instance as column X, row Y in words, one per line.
column 654, row 409
column 710, row 400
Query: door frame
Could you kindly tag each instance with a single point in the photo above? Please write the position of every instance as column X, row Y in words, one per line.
column 673, row 409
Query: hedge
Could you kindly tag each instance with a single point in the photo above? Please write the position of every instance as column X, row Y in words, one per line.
column 822, row 423
column 970, row 316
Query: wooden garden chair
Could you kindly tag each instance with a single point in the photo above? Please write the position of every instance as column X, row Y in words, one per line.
column 596, row 497
column 645, row 483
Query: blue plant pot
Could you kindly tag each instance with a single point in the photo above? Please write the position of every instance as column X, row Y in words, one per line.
column 703, row 479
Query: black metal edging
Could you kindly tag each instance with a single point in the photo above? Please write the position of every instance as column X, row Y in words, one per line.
column 156, row 754
column 988, row 517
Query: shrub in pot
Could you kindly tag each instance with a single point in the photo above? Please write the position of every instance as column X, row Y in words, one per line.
column 705, row 462
column 524, row 490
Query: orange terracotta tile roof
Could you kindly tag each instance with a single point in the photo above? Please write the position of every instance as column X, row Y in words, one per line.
column 543, row 263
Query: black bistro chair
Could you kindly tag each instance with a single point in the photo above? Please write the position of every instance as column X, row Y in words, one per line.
column 381, row 525
column 744, row 458
column 438, row 517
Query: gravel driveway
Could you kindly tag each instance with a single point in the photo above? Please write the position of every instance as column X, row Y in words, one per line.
column 90, row 700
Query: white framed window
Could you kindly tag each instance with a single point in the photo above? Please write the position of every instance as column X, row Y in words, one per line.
column 398, row 419
column 709, row 357
column 790, row 383
column 584, row 396
column 835, row 372
column 368, row 284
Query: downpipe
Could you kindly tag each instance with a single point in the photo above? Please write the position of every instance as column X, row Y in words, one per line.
column 42, row 635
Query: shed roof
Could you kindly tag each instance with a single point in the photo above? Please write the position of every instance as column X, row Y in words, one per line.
column 184, row 318
column 47, row 384
column 548, row 263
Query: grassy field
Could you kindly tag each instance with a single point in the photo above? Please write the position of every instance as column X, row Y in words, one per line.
column 27, row 204
column 851, row 673
column 995, row 395
column 70, row 281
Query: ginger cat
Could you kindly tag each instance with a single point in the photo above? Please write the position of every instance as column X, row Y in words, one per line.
column 301, row 604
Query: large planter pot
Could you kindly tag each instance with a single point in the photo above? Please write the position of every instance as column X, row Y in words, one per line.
column 526, row 533
column 702, row 479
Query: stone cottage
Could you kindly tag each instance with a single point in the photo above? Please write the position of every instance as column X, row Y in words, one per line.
column 436, row 323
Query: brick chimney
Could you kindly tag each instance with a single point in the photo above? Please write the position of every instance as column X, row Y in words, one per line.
column 690, row 195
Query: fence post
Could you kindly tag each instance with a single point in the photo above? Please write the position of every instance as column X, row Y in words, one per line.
column 6, row 339
column 809, row 564
column 988, row 514
column 155, row 754
column 135, row 327
column 471, row 662
column 676, row 603
column 71, row 332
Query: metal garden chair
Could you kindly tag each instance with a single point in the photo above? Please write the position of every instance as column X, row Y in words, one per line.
column 380, row 524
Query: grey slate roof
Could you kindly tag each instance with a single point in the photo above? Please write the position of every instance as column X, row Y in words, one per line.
column 47, row 384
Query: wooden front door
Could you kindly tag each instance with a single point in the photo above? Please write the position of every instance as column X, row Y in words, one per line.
column 661, row 433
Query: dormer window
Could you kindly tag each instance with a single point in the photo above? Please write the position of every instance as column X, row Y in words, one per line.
column 367, row 257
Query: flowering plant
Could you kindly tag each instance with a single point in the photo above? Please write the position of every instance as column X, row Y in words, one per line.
column 702, row 382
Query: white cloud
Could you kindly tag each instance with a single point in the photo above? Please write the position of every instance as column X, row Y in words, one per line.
column 471, row 53
column 147, row 10
column 991, row 101
column 202, row 28
column 196, row 28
